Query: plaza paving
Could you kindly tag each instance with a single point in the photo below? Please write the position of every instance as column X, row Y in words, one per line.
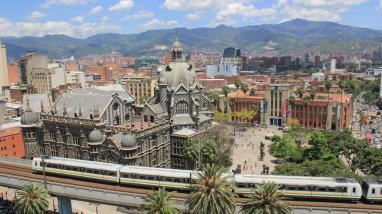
column 246, row 150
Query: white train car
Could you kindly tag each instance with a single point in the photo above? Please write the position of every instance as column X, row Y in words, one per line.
column 100, row 171
column 372, row 190
column 302, row 187
column 156, row 177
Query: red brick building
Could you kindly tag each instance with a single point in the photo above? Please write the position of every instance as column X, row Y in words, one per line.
column 105, row 72
column 213, row 83
column 13, row 73
column 11, row 143
column 241, row 101
column 333, row 112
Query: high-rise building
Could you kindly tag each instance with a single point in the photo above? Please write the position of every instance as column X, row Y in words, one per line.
column 141, row 88
column 44, row 79
column 231, row 64
column 3, row 68
column 317, row 61
column 31, row 60
column 3, row 110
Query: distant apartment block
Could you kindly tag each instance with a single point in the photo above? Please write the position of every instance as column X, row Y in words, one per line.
column 103, row 71
column 213, row 83
column 141, row 88
column 13, row 73
column 231, row 64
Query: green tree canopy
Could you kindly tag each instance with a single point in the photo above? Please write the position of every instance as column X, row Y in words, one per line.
column 32, row 199
column 212, row 192
column 266, row 199
column 160, row 203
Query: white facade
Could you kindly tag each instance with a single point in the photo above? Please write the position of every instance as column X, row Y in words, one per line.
column 4, row 81
column 318, row 76
column 333, row 65
column 227, row 70
column 44, row 79
column 76, row 77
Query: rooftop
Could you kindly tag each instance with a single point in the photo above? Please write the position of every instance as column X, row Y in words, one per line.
column 9, row 131
column 240, row 95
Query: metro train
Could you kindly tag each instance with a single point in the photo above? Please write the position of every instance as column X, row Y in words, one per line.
column 294, row 187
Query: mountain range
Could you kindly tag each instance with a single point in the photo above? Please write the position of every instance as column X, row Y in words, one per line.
column 292, row 37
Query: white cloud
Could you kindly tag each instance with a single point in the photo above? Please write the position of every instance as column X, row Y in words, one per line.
column 104, row 18
column 36, row 15
column 325, row 3
column 48, row 3
column 247, row 11
column 316, row 10
column 156, row 24
column 197, row 5
column 122, row 5
column 78, row 19
column 140, row 15
column 193, row 16
column 80, row 30
column 96, row 9
column 380, row 4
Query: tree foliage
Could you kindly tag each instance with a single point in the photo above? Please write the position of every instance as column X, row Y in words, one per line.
column 266, row 199
column 212, row 192
column 325, row 154
column 211, row 151
column 160, row 202
column 32, row 199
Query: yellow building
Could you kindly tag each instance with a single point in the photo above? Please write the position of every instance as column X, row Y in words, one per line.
column 141, row 88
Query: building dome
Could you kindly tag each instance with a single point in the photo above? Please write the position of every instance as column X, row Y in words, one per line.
column 95, row 136
column 124, row 140
column 29, row 118
column 179, row 72
column 130, row 140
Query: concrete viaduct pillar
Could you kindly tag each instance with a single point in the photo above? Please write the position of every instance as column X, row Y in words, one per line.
column 64, row 205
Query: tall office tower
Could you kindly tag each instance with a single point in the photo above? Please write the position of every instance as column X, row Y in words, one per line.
column 3, row 68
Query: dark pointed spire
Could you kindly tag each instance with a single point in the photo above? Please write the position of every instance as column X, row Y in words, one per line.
column 42, row 107
column 28, row 105
column 80, row 111
column 65, row 111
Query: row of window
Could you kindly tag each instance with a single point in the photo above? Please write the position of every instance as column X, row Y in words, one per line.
column 80, row 169
column 5, row 147
column 3, row 139
column 302, row 188
column 156, row 178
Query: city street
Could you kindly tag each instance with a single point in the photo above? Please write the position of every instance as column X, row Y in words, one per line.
column 246, row 150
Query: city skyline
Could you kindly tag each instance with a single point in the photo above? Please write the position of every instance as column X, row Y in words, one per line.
column 83, row 18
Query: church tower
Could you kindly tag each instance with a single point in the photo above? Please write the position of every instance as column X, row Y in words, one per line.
column 176, row 51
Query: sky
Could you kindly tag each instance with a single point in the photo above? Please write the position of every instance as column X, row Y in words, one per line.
column 83, row 18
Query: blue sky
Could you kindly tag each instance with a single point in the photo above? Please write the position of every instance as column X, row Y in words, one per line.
column 82, row 18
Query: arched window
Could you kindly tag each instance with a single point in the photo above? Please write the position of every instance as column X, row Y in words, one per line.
column 117, row 120
column 182, row 108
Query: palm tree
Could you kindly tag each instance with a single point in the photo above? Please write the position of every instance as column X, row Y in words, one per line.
column 328, row 85
column 244, row 88
column 32, row 199
column 312, row 92
column 212, row 192
column 160, row 202
column 237, row 83
column 300, row 92
column 225, row 91
column 266, row 200
column 292, row 99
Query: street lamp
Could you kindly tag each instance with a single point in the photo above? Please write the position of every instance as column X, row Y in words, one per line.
column 43, row 170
